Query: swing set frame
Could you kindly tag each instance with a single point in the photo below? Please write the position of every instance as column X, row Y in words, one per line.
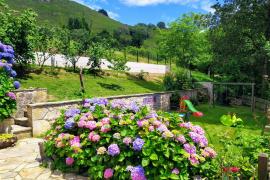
column 252, row 85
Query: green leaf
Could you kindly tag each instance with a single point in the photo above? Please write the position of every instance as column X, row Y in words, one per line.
column 145, row 162
column 154, row 157
column 174, row 176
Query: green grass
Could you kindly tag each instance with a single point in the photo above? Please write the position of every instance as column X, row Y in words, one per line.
column 66, row 85
column 210, row 122
column 57, row 12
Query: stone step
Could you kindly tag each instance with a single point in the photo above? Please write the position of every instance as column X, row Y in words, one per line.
column 21, row 132
column 22, row 121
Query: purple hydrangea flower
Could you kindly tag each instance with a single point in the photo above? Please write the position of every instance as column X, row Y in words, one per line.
column 199, row 139
column 151, row 115
column 98, row 101
column 16, row 84
column 198, row 130
column 118, row 104
column 11, row 95
column 137, row 173
column 69, row 124
column 175, row 171
column 134, row 107
column 191, row 149
column 72, row 112
column 181, row 139
column 138, row 144
column 113, row 150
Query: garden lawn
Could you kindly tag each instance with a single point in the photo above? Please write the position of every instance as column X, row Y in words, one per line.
column 214, row 129
column 66, row 85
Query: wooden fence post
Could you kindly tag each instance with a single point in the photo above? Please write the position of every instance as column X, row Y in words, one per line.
column 81, row 81
column 263, row 166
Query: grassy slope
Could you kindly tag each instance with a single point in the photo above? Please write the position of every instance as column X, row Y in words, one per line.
column 57, row 12
column 210, row 122
column 66, row 86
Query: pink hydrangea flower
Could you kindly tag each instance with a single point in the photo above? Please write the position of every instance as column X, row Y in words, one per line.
column 105, row 121
column 81, row 123
column 151, row 128
column 91, row 125
column 105, row 128
column 108, row 173
column 127, row 140
column 69, row 161
column 75, row 142
column 94, row 137
column 181, row 139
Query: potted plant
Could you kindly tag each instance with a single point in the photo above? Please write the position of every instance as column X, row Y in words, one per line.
column 7, row 85
column 7, row 140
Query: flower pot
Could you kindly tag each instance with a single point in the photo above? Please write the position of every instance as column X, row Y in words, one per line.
column 5, row 126
column 8, row 142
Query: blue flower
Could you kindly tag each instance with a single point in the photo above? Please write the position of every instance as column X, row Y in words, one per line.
column 16, row 84
column 13, row 73
column 138, row 144
column 69, row 124
column 72, row 112
column 7, row 67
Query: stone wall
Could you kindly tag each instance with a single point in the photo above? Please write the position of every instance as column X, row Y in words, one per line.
column 29, row 96
column 43, row 114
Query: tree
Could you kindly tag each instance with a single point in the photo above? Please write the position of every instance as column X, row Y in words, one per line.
column 96, row 52
column 186, row 41
column 240, row 34
column 72, row 53
column 46, row 44
column 118, row 62
column 161, row 25
column 104, row 12
column 19, row 31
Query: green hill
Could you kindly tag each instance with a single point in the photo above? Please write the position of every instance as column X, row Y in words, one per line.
column 57, row 13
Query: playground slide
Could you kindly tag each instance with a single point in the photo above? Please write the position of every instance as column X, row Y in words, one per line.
column 192, row 109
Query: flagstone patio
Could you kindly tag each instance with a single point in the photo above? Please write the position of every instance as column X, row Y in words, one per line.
column 23, row 162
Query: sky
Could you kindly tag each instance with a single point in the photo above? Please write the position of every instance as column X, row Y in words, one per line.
column 132, row 12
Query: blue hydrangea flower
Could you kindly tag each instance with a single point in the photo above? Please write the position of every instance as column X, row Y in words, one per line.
column 138, row 144
column 13, row 73
column 72, row 112
column 69, row 124
column 16, row 84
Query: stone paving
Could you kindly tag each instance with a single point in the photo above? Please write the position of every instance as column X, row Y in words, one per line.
column 23, row 162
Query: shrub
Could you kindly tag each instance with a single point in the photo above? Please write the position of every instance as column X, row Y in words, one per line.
column 121, row 140
column 7, row 83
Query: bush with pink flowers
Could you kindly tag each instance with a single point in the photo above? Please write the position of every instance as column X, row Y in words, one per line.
column 118, row 140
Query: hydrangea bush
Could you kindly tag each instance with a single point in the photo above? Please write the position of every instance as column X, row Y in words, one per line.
column 121, row 140
column 7, row 83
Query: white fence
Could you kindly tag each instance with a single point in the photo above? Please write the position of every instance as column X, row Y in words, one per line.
column 59, row 61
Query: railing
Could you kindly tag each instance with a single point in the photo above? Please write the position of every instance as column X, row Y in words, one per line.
column 263, row 167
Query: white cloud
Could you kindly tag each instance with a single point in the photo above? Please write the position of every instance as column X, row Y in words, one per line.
column 197, row 4
column 154, row 2
column 113, row 15
column 91, row 4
